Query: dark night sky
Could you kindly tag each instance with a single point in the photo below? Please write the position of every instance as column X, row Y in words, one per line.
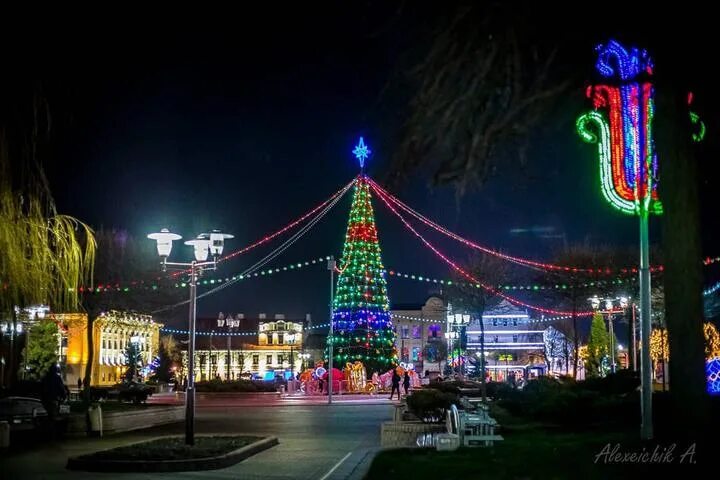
column 244, row 126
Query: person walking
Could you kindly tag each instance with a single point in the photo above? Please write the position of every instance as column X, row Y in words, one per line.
column 79, row 384
column 406, row 382
column 395, row 384
column 52, row 394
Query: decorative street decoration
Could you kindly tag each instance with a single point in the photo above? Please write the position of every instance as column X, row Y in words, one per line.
column 362, row 329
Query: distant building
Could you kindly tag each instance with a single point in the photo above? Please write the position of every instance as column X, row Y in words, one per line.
column 229, row 353
column 515, row 346
column 418, row 327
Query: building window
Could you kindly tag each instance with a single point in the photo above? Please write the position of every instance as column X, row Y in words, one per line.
column 404, row 354
column 434, row 329
column 415, row 354
column 416, row 331
column 494, row 322
column 514, row 322
column 256, row 360
column 405, row 330
column 281, row 359
column 280, row 338
column 515, row 338
column 268, row 360
column 496, row 339
column 505, row 323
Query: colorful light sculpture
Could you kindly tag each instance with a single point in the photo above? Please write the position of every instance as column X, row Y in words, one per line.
column 362, row 329
column 626, row 150
column 628, row 168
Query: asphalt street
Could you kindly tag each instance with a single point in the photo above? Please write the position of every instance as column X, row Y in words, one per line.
column 318, row 442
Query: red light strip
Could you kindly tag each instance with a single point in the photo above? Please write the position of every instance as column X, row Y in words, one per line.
column 287, row 227
column 518, row 260
column 467, row 275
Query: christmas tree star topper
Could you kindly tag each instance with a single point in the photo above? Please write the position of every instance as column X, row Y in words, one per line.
column 361, row 152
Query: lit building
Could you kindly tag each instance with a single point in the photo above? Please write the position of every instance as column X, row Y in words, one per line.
column 112, row 332
column 514, row 346
column 416, row 328
column 226, row 354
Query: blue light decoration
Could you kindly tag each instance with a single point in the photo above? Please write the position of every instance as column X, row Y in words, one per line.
column 712, row 373
column 361, row 152
column 712, row 289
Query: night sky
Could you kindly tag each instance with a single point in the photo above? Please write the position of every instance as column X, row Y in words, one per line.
column 245, row 125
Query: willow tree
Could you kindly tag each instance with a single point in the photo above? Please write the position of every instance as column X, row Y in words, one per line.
column 44, row 256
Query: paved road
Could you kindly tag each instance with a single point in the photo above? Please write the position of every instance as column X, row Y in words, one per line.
column 313, row 440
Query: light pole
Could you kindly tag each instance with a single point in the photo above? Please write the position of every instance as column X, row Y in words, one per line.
column 304, row 357
column 231, row 323
column 331, row 267
column 610, row 311
column 459, row 321
column 13, row 328
column 290, row 339
column 451, row 337
column 205, row 243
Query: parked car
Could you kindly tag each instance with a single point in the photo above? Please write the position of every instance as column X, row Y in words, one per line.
column 26, row 413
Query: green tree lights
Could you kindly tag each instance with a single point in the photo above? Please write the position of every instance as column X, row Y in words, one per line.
column 361, row 310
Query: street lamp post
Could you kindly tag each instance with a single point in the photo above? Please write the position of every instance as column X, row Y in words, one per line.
column 331, row 267
column 610, row 311
column 290, row 339
column 304, row 357
column 458, row 322
column 205, row 243
column 13, row 328
column 231, row 324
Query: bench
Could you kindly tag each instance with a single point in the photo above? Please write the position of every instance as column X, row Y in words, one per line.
column 469, row 429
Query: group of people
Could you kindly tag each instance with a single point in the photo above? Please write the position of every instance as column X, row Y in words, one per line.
column 396, row 378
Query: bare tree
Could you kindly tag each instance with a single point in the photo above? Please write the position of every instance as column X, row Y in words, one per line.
column 482, row 87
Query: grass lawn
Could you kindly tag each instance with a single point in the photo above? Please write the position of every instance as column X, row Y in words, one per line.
column 171, row 448
column 534, row 451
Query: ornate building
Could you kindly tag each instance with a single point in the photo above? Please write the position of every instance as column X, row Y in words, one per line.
column 112, row 332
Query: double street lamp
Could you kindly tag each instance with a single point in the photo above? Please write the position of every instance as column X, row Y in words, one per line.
column 610, row 310
column 204, row 244
column 457, row 323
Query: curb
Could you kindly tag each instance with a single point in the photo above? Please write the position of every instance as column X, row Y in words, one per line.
column 181, row 465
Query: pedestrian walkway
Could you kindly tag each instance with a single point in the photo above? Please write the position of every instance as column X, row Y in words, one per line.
column 315, row 442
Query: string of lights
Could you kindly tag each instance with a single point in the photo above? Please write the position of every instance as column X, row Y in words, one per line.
column 214, row 281
column 466, row 274
column 284, row 229
column 518, row 260
column 260, row 263
column 533, row 287
column 226, row 333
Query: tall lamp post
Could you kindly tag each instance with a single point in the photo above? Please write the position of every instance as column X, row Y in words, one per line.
column 459, row 321
column 610, row 311
column 12, row 328
column 290, row 338
column 331, row 268
column 304, row 357
column 204, row 244
column 231, row 324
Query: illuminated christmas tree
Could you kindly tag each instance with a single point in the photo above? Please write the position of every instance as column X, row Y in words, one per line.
column 361, row 311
